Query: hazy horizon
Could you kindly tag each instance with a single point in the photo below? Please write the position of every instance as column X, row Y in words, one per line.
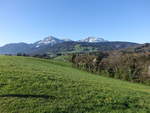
column 32, row 20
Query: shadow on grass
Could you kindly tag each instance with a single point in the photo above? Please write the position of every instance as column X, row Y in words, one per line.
column 29, row 96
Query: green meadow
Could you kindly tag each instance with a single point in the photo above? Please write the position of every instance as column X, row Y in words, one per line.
column 33, row 85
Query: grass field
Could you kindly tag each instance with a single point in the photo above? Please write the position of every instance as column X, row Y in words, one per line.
column 32, row 85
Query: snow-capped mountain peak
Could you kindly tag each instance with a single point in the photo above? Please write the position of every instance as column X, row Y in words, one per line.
column 50, row 40
column 93, row 39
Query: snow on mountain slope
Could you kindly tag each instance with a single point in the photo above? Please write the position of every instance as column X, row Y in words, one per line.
column 50, row 40
column 93, row 39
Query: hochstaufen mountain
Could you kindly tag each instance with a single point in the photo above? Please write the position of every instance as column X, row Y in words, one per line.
column 53, row 45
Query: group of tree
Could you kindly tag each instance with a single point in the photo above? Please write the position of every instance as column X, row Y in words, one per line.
column 133, row 66
column 22, row 54
column 44, row 55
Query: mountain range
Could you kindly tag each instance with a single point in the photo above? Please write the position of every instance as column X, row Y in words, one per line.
column 55, row 45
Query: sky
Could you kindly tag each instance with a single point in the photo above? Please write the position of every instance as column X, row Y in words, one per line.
column 114, row 20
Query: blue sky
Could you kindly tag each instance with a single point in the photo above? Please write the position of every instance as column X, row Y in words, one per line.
column 32, row 20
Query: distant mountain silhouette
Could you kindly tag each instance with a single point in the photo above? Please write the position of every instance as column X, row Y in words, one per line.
column 55, row 45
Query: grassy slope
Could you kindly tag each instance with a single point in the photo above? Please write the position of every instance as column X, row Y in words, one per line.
column 29, row 85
